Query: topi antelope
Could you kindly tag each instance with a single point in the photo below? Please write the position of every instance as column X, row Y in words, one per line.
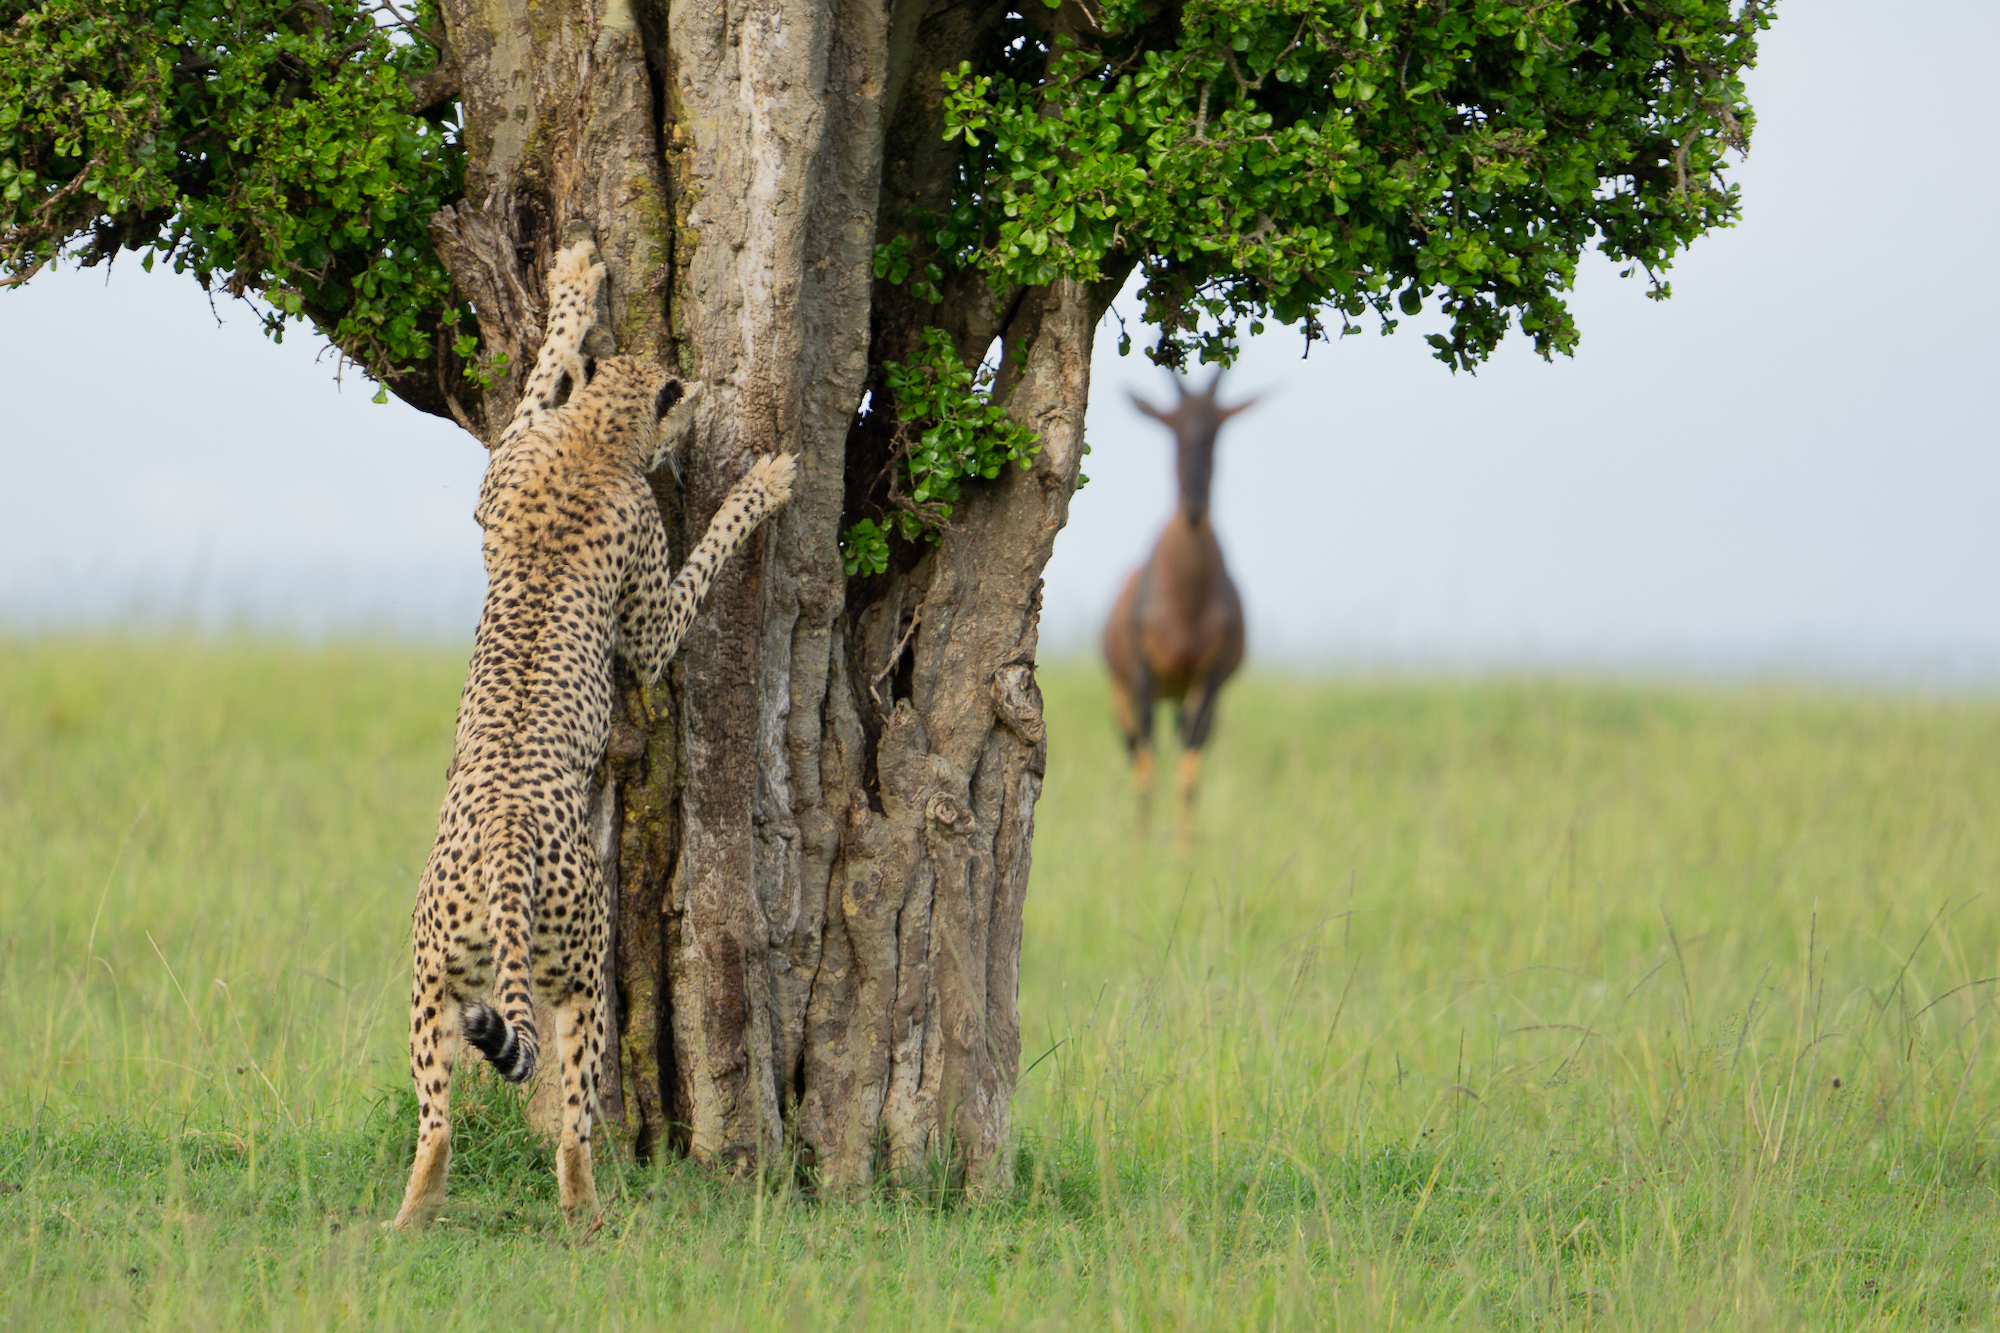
column 1177, row 629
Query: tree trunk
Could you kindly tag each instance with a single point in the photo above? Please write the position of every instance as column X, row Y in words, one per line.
column 821, row 821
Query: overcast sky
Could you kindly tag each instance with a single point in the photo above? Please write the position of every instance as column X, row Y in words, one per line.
column 1789, row 467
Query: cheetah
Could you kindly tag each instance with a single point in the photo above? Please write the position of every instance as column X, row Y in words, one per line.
column 576, row 562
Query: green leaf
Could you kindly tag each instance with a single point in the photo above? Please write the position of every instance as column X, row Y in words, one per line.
column 864, row 548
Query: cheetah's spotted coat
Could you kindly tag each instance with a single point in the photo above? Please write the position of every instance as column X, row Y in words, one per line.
column 576, row 565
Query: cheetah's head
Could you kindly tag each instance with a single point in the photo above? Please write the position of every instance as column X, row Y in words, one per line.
column 647, row 412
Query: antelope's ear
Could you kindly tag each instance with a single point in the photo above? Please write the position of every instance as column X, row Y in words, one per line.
column 1146, row 407
column 1223, row 414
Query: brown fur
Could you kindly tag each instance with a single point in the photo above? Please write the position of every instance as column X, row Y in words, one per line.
column 1176, row 631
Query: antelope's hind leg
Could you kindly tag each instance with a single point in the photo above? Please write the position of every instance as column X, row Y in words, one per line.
column 1132, row 707
column 1187, row 778
column 1197, row 717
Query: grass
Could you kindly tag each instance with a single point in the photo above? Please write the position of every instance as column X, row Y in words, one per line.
column 1521, row 1004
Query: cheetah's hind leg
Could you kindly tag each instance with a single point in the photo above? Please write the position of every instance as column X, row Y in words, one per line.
column 434, row 1023
column 579, row 1025
column 579, row 1022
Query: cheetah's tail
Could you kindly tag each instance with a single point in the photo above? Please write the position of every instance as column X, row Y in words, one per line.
column 502, row 1042
column 506, row 1035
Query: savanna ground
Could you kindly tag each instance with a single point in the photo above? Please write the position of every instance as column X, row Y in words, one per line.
column 1508, row 1003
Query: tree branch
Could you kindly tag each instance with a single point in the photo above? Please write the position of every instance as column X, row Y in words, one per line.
column 433, row 90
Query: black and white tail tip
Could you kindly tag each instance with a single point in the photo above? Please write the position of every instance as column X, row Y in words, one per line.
column 499, row 1042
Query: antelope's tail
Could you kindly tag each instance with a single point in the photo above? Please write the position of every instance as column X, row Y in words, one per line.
column 506, row 1034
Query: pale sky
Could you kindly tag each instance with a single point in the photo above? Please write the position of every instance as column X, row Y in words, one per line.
column 1790, row 467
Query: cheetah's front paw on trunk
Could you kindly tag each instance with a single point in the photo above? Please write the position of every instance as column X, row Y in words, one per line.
column 773, row 475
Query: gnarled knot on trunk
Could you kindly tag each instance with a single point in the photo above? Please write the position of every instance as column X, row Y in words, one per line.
column 1015, row 704
column 948, row 814
column 627, row 742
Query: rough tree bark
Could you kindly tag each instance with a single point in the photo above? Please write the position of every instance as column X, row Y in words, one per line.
column 821, row 822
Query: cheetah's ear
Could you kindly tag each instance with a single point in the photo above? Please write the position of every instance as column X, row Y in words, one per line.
column 670, row 393
column 677, row 421
column 577, row 369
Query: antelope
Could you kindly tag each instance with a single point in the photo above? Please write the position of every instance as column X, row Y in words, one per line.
column 1176, row 631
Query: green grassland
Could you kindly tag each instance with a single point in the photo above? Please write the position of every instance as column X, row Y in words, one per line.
column 1509, row 1003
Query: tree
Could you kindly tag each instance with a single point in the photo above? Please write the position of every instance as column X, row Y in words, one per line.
column 883, row 235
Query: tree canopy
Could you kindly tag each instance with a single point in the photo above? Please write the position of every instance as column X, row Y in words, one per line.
column 1291, row 159
column 274, row 145
column 1295, row 161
